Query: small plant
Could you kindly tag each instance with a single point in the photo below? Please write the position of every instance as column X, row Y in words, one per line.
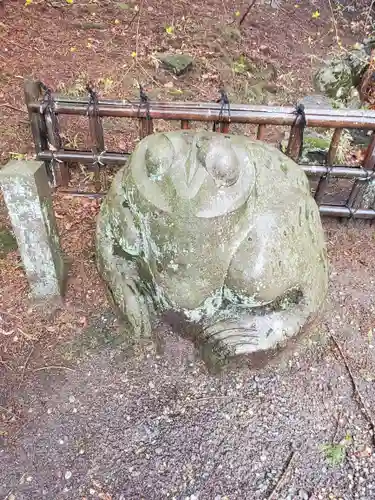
column 240, row 66
column 107, row 84
column 17, row 156
column 335, row 453
column 75, row 89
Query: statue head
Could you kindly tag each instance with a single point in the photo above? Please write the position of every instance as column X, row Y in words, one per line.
column 210, row 171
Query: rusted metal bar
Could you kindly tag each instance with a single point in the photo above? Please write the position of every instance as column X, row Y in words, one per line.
column 211, row 112
column 82, row 194
column 213, row 106
column 85, row 157
column 111, row 158
column 342, row 211
column 185, row 124
column 325, row 210
column 324, row 180
column 261, row 132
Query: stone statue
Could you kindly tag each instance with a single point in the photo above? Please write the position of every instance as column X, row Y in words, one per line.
column 218, row 231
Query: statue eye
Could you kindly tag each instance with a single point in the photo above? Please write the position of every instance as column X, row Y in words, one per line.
column 224, row 169
column 159, row 155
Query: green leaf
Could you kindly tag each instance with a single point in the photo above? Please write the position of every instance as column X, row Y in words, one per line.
column 334, row 453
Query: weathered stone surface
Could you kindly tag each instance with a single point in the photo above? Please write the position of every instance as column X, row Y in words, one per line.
column 358, row 60
column 334, row 79
column 177, row 63
column 28, row 200
column 216, row 233
column 368, row 195
column 353, row 100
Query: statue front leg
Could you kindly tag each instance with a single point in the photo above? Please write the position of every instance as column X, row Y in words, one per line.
column 118, row 264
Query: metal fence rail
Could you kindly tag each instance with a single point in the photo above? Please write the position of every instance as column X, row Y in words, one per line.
column 44, row 109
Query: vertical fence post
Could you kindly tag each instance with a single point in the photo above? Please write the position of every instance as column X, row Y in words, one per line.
column 294, row 148
column 32, row 94
column 96, row 135
column 146, row 126
column 51, row 131
column 185, row 124
column 360, row 185
column 224, row 127
column 324, row 181
column 60, row 169
column 261, row 132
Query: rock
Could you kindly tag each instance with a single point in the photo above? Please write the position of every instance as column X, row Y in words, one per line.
column 28, row 199
column 353, row 100
column 90, row 26
column 219, row 236
column 316, row 101
column 369, row 44
column 315, row 148
column 177, row 63
column 334, row 79
column 368, row 195
column 358, row 60
column 360, row 137
column 123, row 5
column 303, row 494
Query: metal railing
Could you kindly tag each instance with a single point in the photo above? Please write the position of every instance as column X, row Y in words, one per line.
column 45, row 108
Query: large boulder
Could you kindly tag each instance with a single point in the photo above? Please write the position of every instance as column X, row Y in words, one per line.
column 218, row 235
column 334, row 79
column 340, row 76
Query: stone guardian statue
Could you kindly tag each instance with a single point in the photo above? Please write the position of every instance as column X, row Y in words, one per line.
column 216, row 230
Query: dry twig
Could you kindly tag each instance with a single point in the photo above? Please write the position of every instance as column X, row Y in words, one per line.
column 9, row 411
column 244, row 16
column 25, row 366
column 283, row 475
column 10, row 106
column 355, row 388
column 22, row 47
column 131, row 20
column 369, row 12
column 54, row 367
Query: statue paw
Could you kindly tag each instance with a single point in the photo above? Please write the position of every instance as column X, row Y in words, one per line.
column 251, row 333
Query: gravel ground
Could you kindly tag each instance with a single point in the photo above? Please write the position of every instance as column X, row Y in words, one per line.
column 150, row 423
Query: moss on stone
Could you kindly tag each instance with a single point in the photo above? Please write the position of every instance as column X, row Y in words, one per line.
column 8, row 242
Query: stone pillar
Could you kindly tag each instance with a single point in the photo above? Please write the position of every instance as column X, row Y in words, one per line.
column 28, row 199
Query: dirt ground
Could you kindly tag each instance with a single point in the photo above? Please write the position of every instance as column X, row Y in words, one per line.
column 84, row 414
